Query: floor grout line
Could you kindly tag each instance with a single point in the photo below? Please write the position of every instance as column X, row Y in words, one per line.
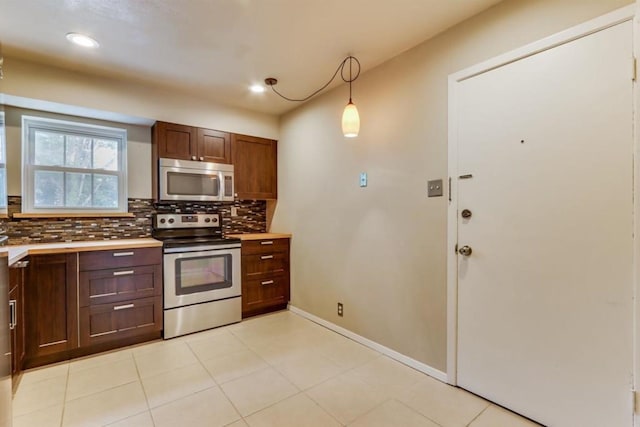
column 282, row 343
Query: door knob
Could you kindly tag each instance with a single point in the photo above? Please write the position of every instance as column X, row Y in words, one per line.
column 466, row 213
column 465, row 250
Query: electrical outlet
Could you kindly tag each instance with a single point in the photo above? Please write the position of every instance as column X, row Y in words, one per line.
column 363, row 179
column 234, row 211
column 340, row 309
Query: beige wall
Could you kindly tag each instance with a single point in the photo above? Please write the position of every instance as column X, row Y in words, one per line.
column 138, row 150
column 381, row 250
column 42, row 82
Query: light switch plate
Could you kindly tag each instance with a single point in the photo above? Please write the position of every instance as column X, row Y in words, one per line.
column 434, row 188
column 363, row 179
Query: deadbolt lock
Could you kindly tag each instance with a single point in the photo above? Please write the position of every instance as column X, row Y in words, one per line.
column 466, row 213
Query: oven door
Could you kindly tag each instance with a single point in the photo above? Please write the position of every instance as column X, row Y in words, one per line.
column 201, row 276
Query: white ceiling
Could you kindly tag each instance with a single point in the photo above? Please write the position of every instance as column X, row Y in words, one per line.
column 217, row 48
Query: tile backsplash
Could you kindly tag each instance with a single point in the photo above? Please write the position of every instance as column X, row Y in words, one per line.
column 251, row 218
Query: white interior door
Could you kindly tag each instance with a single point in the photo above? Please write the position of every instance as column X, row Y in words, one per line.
column 545, row 298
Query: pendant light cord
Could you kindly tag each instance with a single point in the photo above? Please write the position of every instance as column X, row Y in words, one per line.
column 340, row 69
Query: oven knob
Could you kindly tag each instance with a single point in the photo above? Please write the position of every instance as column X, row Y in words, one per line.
column 171, row 220
column 207, row 220
column 162, row 221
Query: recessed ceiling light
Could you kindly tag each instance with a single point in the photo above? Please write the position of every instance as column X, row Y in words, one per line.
column 257, row 88
column 82, row 40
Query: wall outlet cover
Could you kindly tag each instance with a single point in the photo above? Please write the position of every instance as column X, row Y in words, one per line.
column 363, row 179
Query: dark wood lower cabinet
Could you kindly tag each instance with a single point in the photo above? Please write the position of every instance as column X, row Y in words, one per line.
column 104, row 323
column 16, row 298
column 265, row 276
column 115, row 302
column 50, row 302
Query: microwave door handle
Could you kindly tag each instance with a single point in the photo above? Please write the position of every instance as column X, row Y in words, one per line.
column 221, row 185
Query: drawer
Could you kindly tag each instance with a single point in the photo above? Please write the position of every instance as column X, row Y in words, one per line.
column 101, row 260
column 267, row 263
column 264, row 246
column 265, row 292
column 110, row 322
column 114, row 285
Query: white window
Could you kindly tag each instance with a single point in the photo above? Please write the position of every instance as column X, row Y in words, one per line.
column 3, row 166
column 70, row 167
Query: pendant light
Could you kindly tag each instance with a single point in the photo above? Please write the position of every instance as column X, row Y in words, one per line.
column 350, row 116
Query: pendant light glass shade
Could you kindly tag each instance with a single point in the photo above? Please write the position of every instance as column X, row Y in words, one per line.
column 350, row 121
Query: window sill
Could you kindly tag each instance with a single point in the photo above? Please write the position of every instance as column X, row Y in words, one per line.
column 75, row 215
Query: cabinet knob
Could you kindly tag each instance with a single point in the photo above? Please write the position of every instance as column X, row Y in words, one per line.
column 194, row 158
column 201, row 159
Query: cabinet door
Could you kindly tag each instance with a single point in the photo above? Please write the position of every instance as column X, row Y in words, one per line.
column 16, row 283
column 110, row 286
column 50, row 302
column 214, row 146
column 266, row 263
column 258, row 294
column 107, row 323
column 255, row 167
column 175, row 141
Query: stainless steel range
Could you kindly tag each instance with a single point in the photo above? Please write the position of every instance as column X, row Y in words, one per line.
column 202, row 287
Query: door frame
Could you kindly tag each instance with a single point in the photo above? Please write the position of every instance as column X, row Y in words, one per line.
column 608, row 20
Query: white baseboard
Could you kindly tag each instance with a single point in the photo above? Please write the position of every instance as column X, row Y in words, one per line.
column 406, row 360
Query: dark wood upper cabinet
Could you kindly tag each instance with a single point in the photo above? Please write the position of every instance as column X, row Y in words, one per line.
column 254, row 159
column 182, row 142
column 175, row 141
column 51, row 307
column 255, row 167
column 214, row 146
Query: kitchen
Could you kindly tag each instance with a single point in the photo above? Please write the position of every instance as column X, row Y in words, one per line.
column 344, row 227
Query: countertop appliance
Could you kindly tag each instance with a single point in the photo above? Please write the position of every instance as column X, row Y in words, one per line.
column 195, row 181
column 5, row 341
column 201, row 272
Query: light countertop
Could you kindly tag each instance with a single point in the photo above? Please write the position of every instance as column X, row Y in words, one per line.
column 260, row 236
column 18, row 252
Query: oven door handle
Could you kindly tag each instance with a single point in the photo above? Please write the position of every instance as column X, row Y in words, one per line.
column 226, row 248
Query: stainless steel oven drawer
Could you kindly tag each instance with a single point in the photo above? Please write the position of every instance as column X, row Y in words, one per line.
column 199, row 317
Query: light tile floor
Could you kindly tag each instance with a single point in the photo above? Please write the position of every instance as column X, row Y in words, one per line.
column 278, row 370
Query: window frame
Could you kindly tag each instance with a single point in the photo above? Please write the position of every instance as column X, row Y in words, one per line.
column 30, row 124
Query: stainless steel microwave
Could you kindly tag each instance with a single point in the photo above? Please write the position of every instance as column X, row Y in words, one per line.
column 195, row 181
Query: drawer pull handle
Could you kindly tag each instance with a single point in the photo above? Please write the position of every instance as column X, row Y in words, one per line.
column 12, row 316
column 123, row 307
column 103, row 295
column 266, row 257
column 123, row 254
column 123, row 273
column 267, row 242
column 267, row 282
column 20, row 264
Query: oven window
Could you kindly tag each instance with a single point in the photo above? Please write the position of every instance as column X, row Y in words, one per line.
column 204, row 273
column 192, row 184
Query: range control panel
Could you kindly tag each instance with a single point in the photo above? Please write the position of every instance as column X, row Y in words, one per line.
column 186, row 220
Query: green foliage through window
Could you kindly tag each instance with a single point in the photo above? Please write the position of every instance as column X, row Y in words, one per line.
column 74, row 167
